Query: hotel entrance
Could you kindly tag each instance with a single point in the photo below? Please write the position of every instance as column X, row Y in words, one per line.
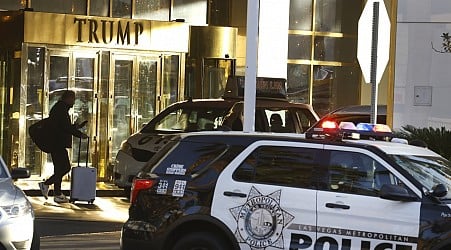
column 123, row 71
column 116, row 92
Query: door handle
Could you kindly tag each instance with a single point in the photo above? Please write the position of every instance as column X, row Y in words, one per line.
column 335, row 205
column 228, row 193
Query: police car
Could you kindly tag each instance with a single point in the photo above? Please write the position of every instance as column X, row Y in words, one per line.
column 332, row 189
column 273, row 113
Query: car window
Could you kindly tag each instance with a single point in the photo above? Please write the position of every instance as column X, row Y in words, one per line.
column 280, row 121
column 356, row 173
column 281, row 166
column 189, row 157
column 191, row 119
column 305, row 118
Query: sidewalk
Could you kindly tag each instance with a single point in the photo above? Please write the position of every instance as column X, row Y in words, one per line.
column 110, row 203
column 104, row 189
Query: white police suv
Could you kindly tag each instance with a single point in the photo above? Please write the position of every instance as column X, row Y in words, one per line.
column 231, row 190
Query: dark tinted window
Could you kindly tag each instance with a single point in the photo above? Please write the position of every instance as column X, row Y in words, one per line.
column 189, row 157
column 356, row 173
column 282, row 166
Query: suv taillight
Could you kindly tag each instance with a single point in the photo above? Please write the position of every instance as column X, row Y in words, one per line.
column 138, row 185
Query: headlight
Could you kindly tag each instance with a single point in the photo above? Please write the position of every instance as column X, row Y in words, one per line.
column 126, row 147
column 18, row 209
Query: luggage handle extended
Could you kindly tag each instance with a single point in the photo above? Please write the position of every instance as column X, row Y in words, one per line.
column 79, row 152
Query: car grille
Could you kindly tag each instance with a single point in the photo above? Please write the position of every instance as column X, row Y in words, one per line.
column 142, row 155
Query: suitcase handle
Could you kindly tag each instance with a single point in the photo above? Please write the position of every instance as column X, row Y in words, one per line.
column 87, row 153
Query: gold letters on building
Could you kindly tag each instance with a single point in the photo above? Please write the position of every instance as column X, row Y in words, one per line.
column 65, row 29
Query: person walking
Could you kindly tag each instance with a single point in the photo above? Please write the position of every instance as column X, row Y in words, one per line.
column 63, row 130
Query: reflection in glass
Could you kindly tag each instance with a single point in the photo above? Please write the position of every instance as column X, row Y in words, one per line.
column 122, row 8
column 99, row 7
column 35, row 85
column 59, row 66
column 219, row 12
column 60, row 6
column 335, row 49
column 82, row 109
column 299, row 47
column 334, row 87
column 192, row 11
column 300, row 15
column 170, row 80
column 216, row 72
column 12, row 4
column 152, row 9
column 121, row 115
column 146, row 92
column 339, row 16
column 298, row 78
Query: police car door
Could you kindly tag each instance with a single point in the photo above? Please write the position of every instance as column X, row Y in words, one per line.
column 267, row 196
column 351, row 215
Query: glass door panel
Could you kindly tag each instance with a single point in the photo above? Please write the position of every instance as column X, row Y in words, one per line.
column 121, row 113
column 34, row 106
column 83, row 108
column 58, row 73
column 144, row 99
column 170, row 81
column 215, row 74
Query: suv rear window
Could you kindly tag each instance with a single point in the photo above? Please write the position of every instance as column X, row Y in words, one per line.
column 189, row 158
column 189, row 119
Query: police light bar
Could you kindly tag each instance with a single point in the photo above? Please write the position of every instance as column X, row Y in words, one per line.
column 347, row 130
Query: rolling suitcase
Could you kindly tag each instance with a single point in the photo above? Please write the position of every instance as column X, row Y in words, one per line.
column 83, row 180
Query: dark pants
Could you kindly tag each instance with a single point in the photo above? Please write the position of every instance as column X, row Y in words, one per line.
column 61, row 165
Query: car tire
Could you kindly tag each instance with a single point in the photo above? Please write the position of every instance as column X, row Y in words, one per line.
column 201, row 241
column 127, row 191
column 36, row 241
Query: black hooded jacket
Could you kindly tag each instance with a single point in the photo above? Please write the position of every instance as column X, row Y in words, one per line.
column 62, row 126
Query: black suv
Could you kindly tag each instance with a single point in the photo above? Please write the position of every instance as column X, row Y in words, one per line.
column 273, row 113
column 232, row 190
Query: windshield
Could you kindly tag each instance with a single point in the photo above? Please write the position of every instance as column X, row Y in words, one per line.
column 189, row 119
column 428, row 170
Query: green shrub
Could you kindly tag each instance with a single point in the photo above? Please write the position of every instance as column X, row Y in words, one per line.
column 437, row 139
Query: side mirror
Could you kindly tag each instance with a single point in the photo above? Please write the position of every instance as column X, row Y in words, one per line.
column 396, row 193
column 20, row 173
column 439, row 190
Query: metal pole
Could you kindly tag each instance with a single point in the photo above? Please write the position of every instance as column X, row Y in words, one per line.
column 251, row 65
column 374, row 63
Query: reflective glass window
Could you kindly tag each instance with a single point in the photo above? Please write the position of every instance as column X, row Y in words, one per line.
column 298, row 79
column 300, row 15
column 299, row 47
column 35, row 86
column 192, row 11
column 99, row 7
column 335, row 49
column 12, row 5
column 61, row 6
column 334, row 87
column 170, row 81
column 219, row 12
column 340, row 16
column 122, row 8
column 152, row 9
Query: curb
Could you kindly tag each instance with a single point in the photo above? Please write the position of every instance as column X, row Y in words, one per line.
column 99, row 193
